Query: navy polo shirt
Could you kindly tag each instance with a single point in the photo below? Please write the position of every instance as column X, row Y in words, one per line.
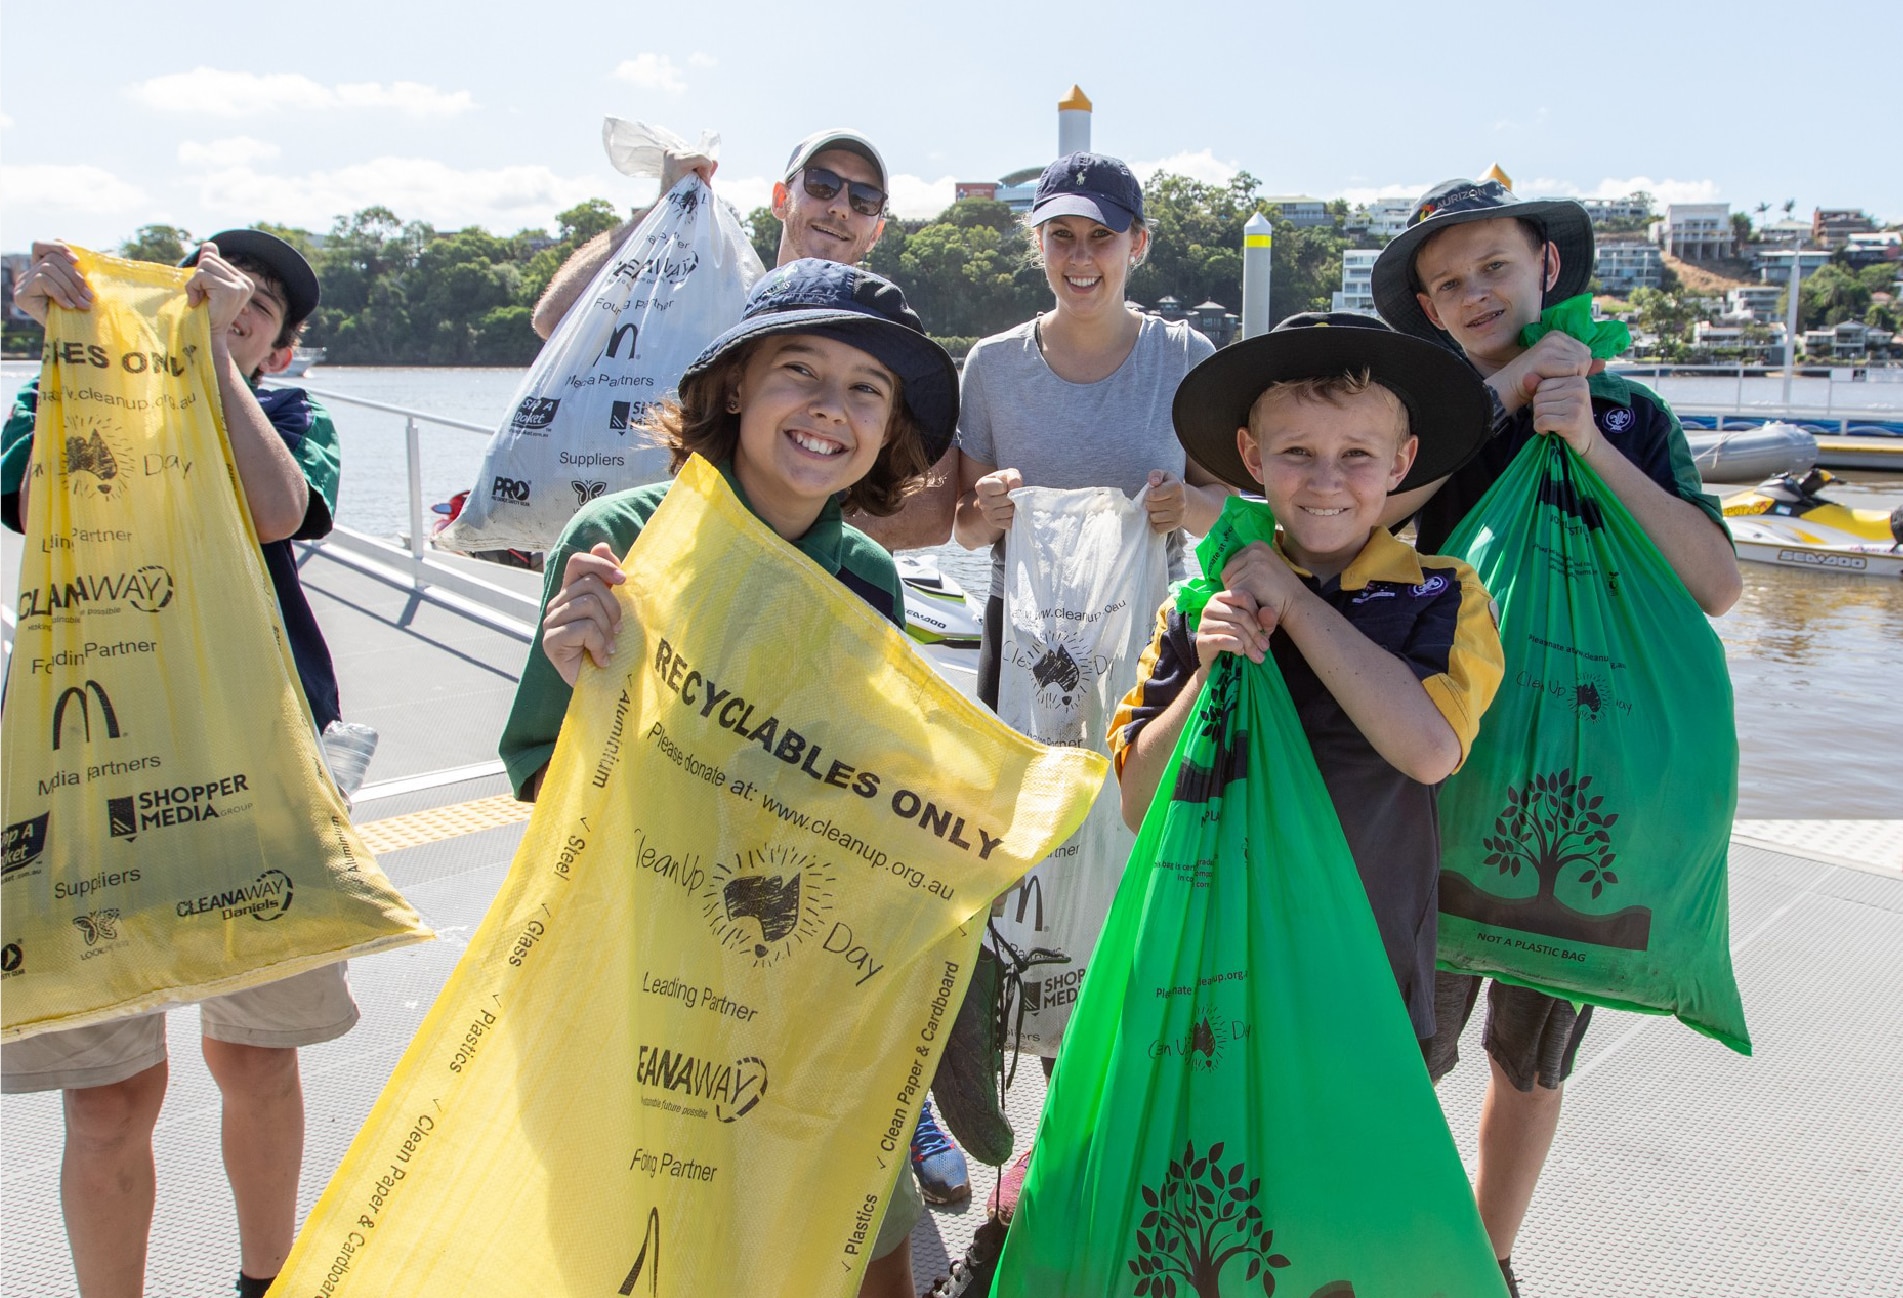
column 1434, row 615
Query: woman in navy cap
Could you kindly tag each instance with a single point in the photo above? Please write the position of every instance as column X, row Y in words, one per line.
column 1078, row 396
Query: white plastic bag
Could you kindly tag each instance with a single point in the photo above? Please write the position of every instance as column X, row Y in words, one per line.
column 572, row 434
column 638, row 149
column 1084, row 576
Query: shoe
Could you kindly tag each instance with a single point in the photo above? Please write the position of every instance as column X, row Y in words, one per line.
column 1003, row 1204
column 971, row 1076
column 936, row 1162
column 971, row 1275
column 1506, row 1271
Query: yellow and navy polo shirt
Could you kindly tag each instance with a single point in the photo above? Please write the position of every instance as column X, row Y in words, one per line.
column 1434, row 615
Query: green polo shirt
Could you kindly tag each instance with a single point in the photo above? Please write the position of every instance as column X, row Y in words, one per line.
column 541, row 697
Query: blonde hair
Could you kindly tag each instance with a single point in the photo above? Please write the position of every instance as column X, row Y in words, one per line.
column 1328, row 389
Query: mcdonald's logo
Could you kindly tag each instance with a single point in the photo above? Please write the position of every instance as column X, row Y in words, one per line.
column 1030, row 888
column 650, row 1239
column 107, row 716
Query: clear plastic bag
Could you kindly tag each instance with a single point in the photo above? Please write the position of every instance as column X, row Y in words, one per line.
column 348, row 748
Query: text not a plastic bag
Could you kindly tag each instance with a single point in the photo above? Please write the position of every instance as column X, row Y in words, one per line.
column 1240, row 1104
column 173, row 833
column 573, row 429
column 1084, row 574
column 723, row 964
column 1584, row 843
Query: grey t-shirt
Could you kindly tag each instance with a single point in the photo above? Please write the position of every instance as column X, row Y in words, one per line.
column 1014, row 413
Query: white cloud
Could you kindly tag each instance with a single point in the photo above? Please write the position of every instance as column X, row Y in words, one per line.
column 1665, row 191
column 238, row 151
column 500, row 198
column 217, row 93
column 1201, row 165
column 699, row 60
column 6, row 121
column 744, row 192
column 652, row 72
column 70, row 188
column 914, row 197
column 1369, row 193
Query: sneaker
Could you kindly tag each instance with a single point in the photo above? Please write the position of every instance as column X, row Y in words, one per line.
column 940, row 1168
column 972, row 1274
column 1003, row 1204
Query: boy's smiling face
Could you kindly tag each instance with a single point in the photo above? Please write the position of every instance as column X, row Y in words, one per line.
column 1326, row 466
column 814, row 413
column 1483, row 281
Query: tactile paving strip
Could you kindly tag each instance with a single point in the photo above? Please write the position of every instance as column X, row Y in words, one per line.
column 438, row 823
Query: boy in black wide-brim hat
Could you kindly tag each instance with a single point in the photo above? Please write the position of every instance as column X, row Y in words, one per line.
column 1475, row 266
column 1390, row 656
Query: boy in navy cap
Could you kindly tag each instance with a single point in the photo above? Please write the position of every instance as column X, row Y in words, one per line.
column 1474, row 267
column 258, row 291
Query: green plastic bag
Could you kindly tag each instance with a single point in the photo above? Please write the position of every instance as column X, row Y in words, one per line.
column 1584, row 843
column 1240, row 1105
column 1605, row 338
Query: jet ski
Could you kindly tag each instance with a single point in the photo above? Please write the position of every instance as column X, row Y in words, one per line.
column 1786, row 522
column 943, row 620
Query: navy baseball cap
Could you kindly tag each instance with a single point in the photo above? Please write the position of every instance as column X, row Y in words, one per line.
column 1564, row 223
column 1089, row 184
column 301, row 293
column 860, row 309
column 1447, row 405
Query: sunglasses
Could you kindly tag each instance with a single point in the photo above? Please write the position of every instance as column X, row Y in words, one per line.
column 867, row 200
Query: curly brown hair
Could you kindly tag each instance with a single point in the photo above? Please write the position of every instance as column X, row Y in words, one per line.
column 700, row 424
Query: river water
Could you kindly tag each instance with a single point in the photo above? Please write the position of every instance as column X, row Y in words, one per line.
column 1816, row 658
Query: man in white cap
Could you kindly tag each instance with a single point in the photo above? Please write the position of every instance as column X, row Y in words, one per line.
column 831, row 203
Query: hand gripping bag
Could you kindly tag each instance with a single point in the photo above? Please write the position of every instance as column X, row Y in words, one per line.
column 172, row 832
column 1240, row 1105
column 1584, row 842
column 685, row 1050
column 572, row 433
column 1083, row 572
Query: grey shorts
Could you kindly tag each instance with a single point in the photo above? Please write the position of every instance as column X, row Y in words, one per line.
column 302, row 1010
column 1532, row 1036
column 903, row 1207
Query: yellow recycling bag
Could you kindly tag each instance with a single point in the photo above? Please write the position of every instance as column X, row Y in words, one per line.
column 685, row 1050
column 172, row 832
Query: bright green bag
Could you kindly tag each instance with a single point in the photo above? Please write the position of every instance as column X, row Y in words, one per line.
column 1240, row 1105
column 1584, row 843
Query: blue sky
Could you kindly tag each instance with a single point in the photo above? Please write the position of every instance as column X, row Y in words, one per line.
column 483, row 114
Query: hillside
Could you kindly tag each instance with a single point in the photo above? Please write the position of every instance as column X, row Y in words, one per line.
column 1712, row 277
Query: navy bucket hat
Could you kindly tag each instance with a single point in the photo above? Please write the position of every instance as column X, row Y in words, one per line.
column 862, row 310
column 287, row 263
column 1447, row 405
column 1565, row 224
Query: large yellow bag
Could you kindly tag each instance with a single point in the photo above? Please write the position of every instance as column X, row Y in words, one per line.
column 172, row 832
column 685, row 1051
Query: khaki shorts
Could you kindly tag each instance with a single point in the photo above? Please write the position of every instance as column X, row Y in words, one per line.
column 302, row 1010
column 903, row 1207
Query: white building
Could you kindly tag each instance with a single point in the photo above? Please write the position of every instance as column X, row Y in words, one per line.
column 1623, row 265
column 1299, row 209
column 1758, row 301
column 1774, row 264
column 1384, row 218
column 1357, row 281
column 1629, row 208
column 1695, row 231
column 1746, row 341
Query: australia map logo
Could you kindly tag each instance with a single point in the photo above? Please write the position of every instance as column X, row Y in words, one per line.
column 767, row 901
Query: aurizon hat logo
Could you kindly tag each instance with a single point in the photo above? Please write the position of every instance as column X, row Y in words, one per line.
column 770, row 900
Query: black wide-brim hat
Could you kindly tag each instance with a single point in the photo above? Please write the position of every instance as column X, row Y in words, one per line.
column 1447, row 405
column 301, row 293
column 860, row 309
column 1566, row 225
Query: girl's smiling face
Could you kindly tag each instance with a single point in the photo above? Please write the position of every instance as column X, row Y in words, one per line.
column 814, row 414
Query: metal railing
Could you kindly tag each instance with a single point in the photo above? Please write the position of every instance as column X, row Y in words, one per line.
column 421, row 571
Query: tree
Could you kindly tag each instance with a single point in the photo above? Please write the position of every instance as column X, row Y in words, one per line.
column 1829, row 294
column 585, row 220
column 1202, row 1219
column 764, row 228
column 165, row 244
column 1668, row 314
column 1740, row 228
